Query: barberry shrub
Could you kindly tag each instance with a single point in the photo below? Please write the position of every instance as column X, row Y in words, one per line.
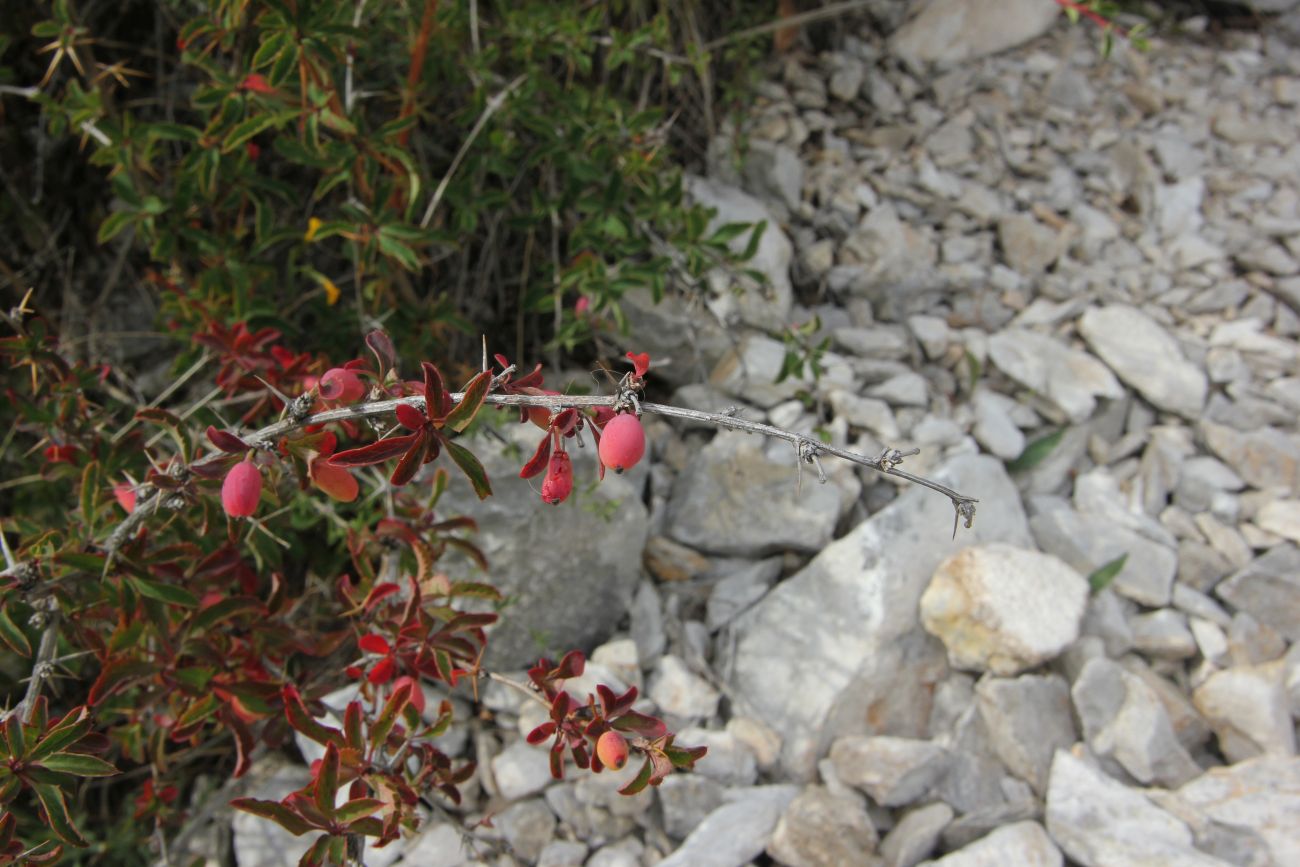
column 179, row 595
column 308, row 165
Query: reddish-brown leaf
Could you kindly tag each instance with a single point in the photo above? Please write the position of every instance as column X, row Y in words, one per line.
column 375, row 453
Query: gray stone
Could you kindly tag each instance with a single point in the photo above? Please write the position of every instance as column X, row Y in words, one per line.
column 1088, row 542
column 1028, row 719
column 1249, row 710
column 732, row 761
column 915, row 835
column 851, row 616
column 1146, row 357
column 684, row 801
column 1281, row 518
column 557, row 564
column 734, row 499
column 774, row 172
column 1069, row 378
column 768, row 306
column 527, row 827
column 1024, row 843
column 439, row 845
column 994, row 428
column 932, row 332
column 1262, row 795
column 893, row 771
column 563, row 853
column 623, row 853
column 736, row 832
column 673, row 328
column 948, row 32
column 1124, row 720
column 680, row 692
column 749, row 370
column 736, row 592
column 1191, row 730
column 1268, row 589
column 847, row 78
column 1003, row 609
column 1266, row 458
column 874, row 341
column 521, row 770
column 1028, row 246
column 1100, row 822
column 1164, row 634
column 647, row 624
column 906, row 389
column 822, row 829
column 868, row 413
column 590, row 822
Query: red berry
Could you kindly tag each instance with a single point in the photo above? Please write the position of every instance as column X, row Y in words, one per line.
column 558, row 483
column 340, row 385
column 241, row 490
column 611, row 749
column 622, row 442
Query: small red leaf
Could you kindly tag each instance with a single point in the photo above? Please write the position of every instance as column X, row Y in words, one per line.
column 226, row 441
column 375, row 453
column 410, row 417
column 373, row 644
column 537, row 462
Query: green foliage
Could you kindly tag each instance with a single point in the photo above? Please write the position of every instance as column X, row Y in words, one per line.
column 297, row 166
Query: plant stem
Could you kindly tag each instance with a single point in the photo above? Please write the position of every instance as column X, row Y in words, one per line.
column 807, row 448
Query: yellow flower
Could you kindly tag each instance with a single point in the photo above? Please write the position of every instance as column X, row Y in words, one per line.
column 327, row 286
column 313, row 226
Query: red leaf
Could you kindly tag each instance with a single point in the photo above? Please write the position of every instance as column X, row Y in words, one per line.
column 256, row 83
column 640, row 362
column 383, row 671
column 537, row 462
column 226, row 441
column 412, row 460
column 375, row 453
column 373, row 644
column 434, row 403
column 410, row 417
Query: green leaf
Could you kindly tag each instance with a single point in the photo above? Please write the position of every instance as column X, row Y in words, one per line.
column 641, row 780
column 327, row 780
column 276, row 812
column 388, row 717
column 246, row 129
column 113, row 226
column 15, row 742
column 1102, row 576
column 395, row 249
column 11, row 635
column 163, row 592
column 56, row 813
column 270, row 49
column 470, row 466
column 198, row 711
column 356, row 809
column 1036, row 452
column 79, row 765
column 225, row 610
column 463, row 413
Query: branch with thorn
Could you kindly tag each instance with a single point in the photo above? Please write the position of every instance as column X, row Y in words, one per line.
column 808, row 449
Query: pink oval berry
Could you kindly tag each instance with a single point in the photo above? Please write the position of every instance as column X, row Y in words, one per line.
column 622, row 442
column 611, row 749
column 340, row 385
column 241, row 490
column 558, row 483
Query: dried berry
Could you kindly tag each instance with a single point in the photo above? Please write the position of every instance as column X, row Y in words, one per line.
column 622, row 442
column 558, row 483
column 611, row 749
column 241, row 490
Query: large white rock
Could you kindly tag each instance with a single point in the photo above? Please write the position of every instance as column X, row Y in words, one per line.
column 1262, row 795
column 1024, row 844
column 1069, row 378
column 1146, row 357
column 1002, row 608
column 1100, row 822
column 1249, row 710
column 837, row 648
column 953, row 31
